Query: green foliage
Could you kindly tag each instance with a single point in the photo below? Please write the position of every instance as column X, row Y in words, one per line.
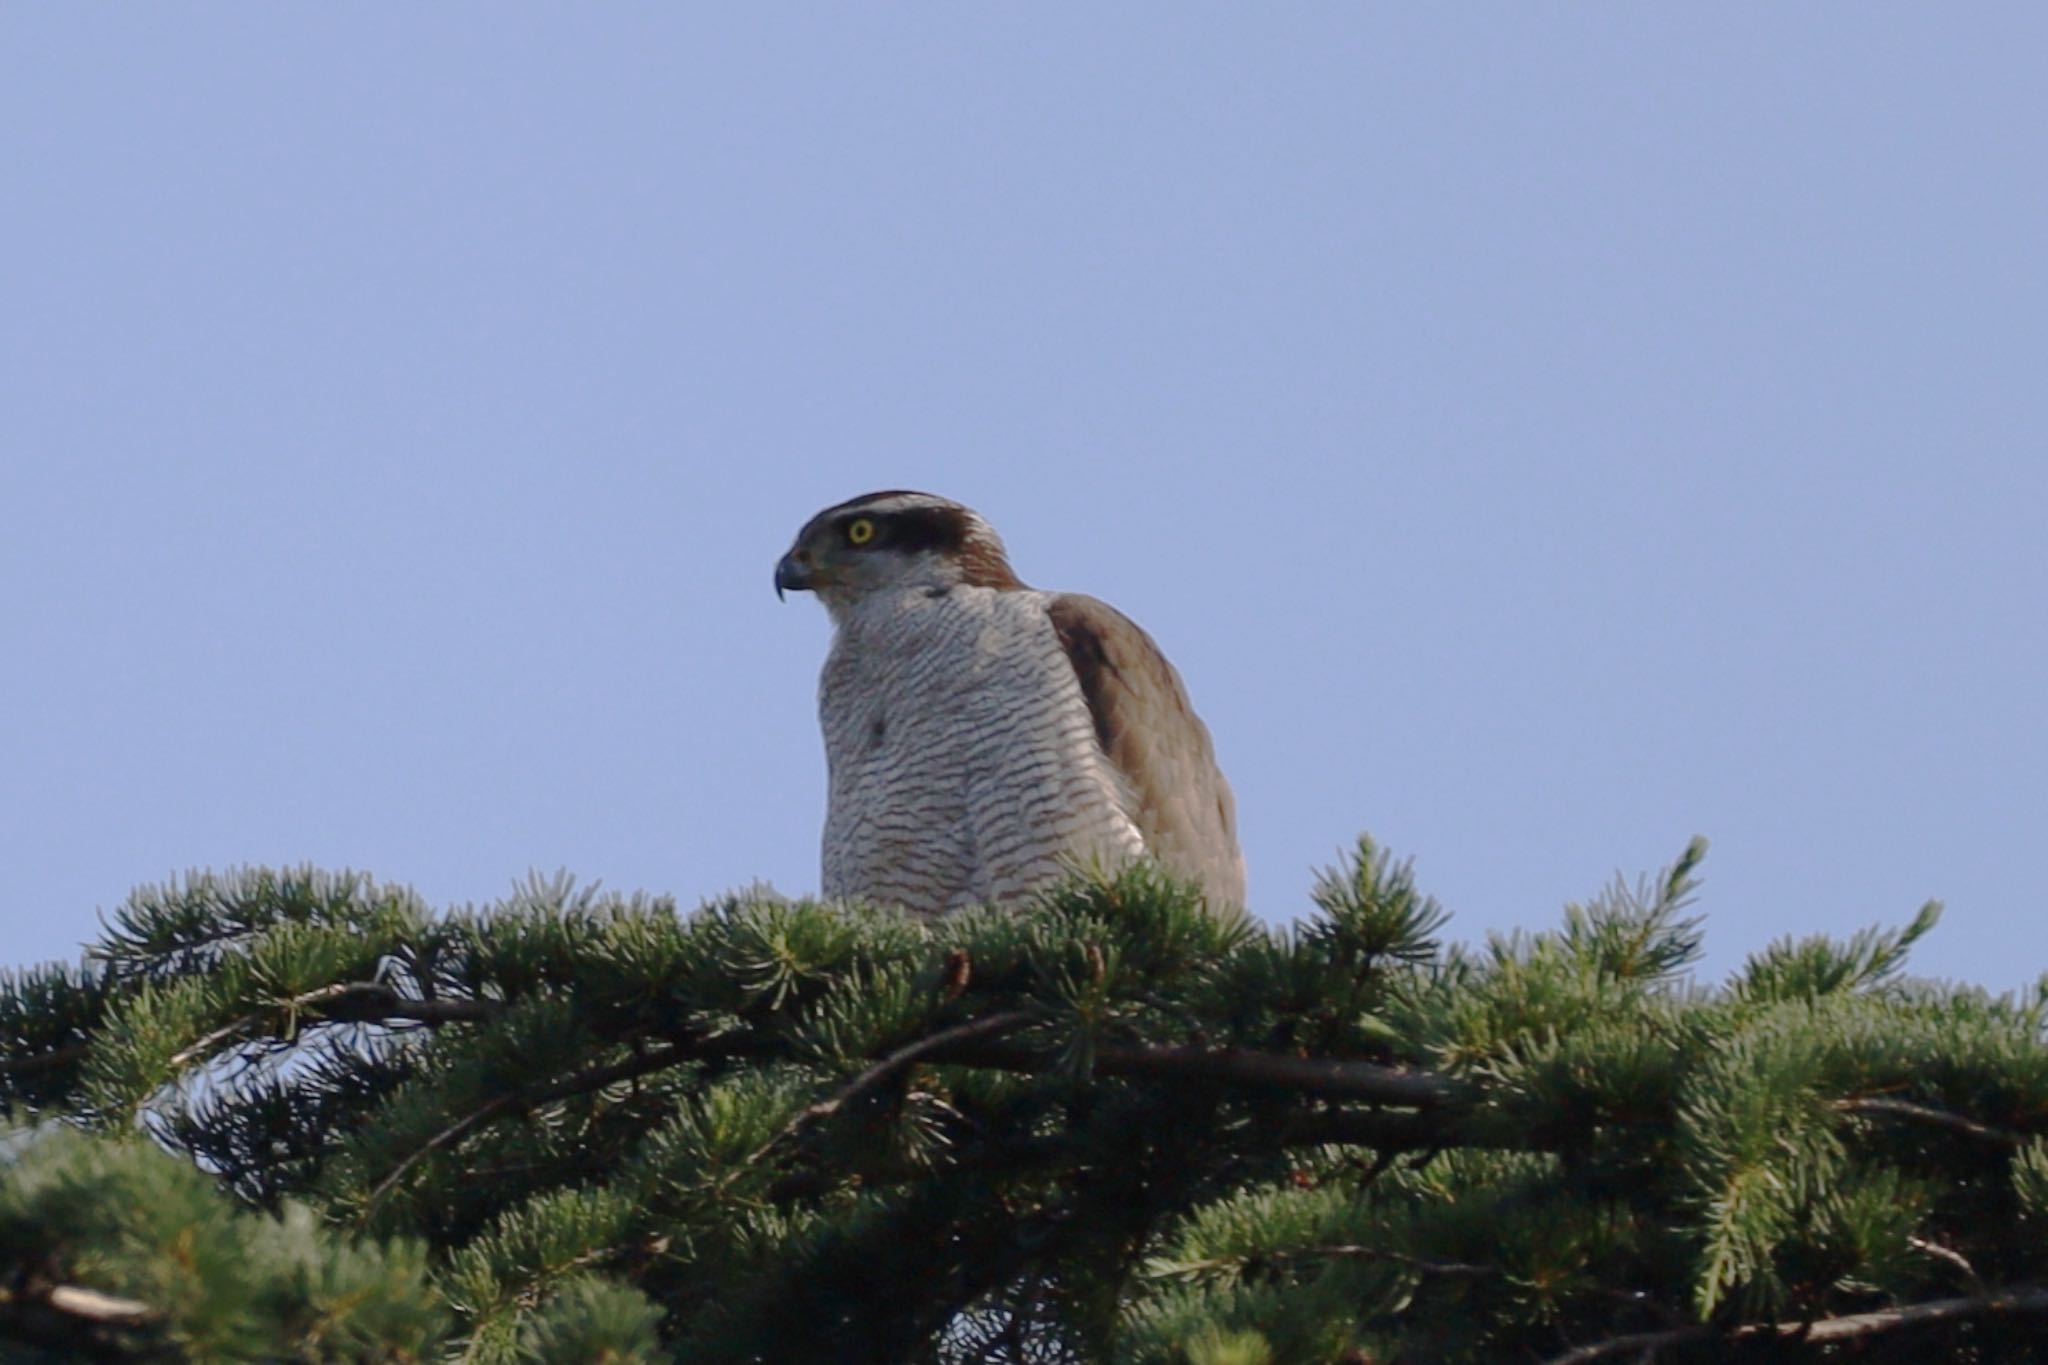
column 579, row 1126
column 594, row 1322
column 1372, row 911
column 174, row 1270
column 1807, row 969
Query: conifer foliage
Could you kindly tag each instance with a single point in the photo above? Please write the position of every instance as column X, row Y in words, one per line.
column 292, row 1116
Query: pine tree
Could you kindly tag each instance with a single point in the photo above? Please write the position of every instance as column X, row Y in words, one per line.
column 293, row 1116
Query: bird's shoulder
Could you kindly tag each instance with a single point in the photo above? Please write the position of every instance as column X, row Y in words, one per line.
column 1158, row 745
column 1124, row 675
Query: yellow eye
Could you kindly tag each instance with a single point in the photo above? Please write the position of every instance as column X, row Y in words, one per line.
column 860, row 532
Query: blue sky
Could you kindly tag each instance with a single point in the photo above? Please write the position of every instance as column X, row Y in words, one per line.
column 1538, row 434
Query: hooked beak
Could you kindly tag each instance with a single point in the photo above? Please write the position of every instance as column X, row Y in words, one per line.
column 793, row 573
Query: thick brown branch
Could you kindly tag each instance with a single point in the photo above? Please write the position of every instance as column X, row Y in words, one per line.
column 1335, row 1079
column 2026, row 1300
column 354, row 1002
column 55, row 1059
column 1012, row 1158
column 1420, row 1265
column 2023, row 1300
column 370, row 1002
column 1405, row 1132
column 1941, row 1118
column 1643, row 1342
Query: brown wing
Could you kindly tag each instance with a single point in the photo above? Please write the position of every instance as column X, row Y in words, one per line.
column 1182, row 805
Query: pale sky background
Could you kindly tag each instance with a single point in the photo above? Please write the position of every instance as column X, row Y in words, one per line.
column 1537, row 433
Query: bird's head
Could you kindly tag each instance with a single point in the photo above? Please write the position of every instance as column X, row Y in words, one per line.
column 889, row 542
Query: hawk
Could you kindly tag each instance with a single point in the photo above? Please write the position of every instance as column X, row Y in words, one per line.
column 983, row 736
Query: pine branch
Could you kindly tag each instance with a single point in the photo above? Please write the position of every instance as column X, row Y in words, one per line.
column 353, row 1002
column 583, row 1082
column 1948, row 1256
column 858, row 1204
column 373, row 1002
column 1334, row 1079
column 53, row 1060
column 71, row 1320
column 597, row 1078
column 1406, row 1132
column 356, row 1002
column 90, row 1305
column 988, row 1026
column 1012, row 1158
column 2024, row 1300
column 1921, row 1113
column 1281, row 1256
